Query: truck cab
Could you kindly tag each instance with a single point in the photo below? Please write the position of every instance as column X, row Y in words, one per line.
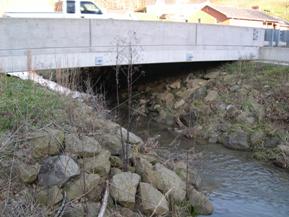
column 83, row 9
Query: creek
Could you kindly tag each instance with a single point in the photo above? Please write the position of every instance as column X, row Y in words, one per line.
column 237, row 185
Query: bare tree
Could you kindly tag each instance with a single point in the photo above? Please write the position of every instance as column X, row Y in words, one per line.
column 126, row 56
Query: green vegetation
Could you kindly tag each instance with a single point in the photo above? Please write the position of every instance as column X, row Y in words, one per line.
column 263, row 92
column 264, row 84
column 185, row 208
column 259, row 73
column 25, row 102
column 278, row 8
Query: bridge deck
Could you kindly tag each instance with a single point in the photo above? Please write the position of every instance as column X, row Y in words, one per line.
column 27, row 44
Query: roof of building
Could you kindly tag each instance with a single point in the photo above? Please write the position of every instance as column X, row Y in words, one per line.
column 244, row 14
column 283, row 21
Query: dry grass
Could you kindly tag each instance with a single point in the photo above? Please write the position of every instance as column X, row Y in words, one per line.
column 23, row 205
column 24, row 107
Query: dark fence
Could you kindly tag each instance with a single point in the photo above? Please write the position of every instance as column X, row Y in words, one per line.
column 277, row 37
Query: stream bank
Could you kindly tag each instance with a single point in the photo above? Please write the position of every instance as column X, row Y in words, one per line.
column 60, row 157
column 237, row 184
column 236, row 119
column 243, row 106
column 233, row 106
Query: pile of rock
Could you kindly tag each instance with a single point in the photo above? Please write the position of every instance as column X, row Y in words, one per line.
column 67, row 172
column 217, row 107
column 170, row 99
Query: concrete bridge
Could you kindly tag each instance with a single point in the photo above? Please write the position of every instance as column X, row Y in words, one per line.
column 36, row 44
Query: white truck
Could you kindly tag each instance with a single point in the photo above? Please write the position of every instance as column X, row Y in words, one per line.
column 65, row 9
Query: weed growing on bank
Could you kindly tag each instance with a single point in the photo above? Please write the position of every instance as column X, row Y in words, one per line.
column 268, row 84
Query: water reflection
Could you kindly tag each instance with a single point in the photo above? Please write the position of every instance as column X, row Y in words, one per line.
column 240, row 186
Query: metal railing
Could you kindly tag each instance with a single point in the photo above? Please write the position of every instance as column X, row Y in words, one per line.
column 277, row 38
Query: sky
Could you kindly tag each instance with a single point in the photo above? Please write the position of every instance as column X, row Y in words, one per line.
column 26, row 5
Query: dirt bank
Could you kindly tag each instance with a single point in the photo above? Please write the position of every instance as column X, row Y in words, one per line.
column 63, row 157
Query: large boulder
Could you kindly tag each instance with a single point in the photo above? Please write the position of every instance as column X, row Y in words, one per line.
column 111, row 142
column 114, row 171
column 123, row 188
column 146, row 170
column 49, row 196
column 199, row 93
column 98, row 164
column 57, row 170
column 180, row 167
column 237, row 139
column 87, row 119
column 46, row 142
column 272, row 141
column 200, row 203
column 28, row 173
column 86, row 184
column 129, row 137
column 152, row 200
column 82, row 147
column 258, row 110
column 114, row 140
column 168, row 180
column 161, row 178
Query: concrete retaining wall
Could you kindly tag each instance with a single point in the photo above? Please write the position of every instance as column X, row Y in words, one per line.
column 274, row 54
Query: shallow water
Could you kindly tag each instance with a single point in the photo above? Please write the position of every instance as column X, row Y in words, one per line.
column 239, row 186
column 236, row 184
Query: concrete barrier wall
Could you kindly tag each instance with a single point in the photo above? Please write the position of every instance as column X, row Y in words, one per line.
column 274, row 54
column 67, row 33
column 229, row 35
column 62, row 43
column 43, row 33
column 110, row 32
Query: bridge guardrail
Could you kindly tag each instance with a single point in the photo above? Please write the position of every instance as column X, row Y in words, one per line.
column 277, row 38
